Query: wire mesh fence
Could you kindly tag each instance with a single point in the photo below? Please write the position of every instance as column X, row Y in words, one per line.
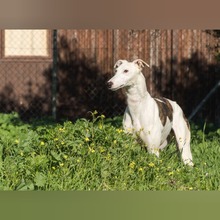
column 24, row 57
column 63, row 73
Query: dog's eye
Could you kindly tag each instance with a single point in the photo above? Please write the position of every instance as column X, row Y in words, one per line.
column 125, row 71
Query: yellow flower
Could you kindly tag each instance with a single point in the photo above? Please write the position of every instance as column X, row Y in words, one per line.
column 102, row 116
column 132, row 165
column 102, row 149
column 56, row 139
column 61, row 129
column 62, row 143
column 87, row 139
column 22, row 154
column 171, row 173
column 95, row 112
column 190, row 188
column 42, row 143
column 65, row 156
column 119, row 130
column 78, row 160
column 114, row 141
column 61, row 164
column 54, row 168
column 129, row 130
column 140, row 169
column 16, row 141
column 151, row 164
column 91, row 150
column 100, row 127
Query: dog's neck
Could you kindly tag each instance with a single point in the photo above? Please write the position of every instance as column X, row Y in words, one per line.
column 137, row 91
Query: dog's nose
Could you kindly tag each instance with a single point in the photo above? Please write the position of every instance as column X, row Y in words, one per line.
column 109, row 84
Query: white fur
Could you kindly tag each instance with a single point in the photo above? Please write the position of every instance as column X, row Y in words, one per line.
column 142, row 114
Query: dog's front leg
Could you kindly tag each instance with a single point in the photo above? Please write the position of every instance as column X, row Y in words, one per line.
column 152, row 139
column 127, row 122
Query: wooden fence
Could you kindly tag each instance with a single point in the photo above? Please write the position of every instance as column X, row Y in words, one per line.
column 184, row 64
column 184, row 67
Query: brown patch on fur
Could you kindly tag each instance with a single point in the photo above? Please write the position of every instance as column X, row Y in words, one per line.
column 165, row 110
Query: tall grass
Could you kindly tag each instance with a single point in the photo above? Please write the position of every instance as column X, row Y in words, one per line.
column 97, row 155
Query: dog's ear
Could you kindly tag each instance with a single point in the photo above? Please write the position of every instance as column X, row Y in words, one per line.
column 140, row 63
column 117, row 64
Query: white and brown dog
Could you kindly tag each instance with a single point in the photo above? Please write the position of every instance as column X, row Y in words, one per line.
column 151, row 118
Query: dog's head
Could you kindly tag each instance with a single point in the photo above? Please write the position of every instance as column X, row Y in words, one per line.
column 125, row 73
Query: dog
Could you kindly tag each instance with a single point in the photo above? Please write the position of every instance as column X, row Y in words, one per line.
column 152, row 119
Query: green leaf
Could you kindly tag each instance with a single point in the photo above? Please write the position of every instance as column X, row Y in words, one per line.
column 22, row 186
column 40, row 179
column 55, row 155
column 25, row 185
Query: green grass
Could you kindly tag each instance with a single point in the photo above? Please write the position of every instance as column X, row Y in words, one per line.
column 98, row 155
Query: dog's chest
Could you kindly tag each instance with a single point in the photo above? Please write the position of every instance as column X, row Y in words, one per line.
column 135, row 113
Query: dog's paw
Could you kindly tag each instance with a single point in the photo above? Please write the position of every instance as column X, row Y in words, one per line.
column 188, row 162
